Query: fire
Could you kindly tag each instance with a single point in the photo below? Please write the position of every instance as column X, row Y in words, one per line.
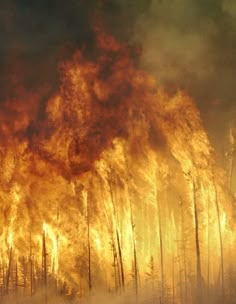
column 223, row 221
column 45, row 228
column 10, row 240
column 124, row 180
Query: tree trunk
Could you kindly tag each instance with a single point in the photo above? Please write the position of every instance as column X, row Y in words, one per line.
column 220, row 239
column 198, row 253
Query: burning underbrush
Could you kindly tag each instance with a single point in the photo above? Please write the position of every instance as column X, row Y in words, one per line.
column 111, row 186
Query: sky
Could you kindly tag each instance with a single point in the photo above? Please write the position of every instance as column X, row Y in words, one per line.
column 186, row 44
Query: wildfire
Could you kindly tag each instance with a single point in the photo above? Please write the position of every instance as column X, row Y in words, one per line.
column 10, row 240
column 121, row 175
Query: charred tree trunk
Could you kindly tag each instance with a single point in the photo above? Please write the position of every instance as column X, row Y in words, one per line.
column 31, row 269
column 183, row 247
column 173, row 281
column 232, row 160
column 136, row 276
column 57, row 244
column 121, row 266
column 180, row 279
column 161, row 249
column 44, row 266
column 9, row 271
column 120, row 259
column 16, row 283
column 220, row 239
column 116, row 266
column 174, row 239
column 197, row 243
column 208, row 250
column 24, row 275
column 89, row 246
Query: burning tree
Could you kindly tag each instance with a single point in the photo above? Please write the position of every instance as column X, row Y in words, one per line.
column 115, row 154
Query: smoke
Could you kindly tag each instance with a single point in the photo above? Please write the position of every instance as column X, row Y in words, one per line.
column 190, row 45
column 187, row 44
column 229, row 6
column 98, row 299
column 182, row 44
column 148, row 297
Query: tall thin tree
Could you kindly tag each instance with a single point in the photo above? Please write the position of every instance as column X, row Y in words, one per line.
column 220, row 238
column 161, row 248
column 136, row 272
column 44, row 266
column 197, row 242
column 9, row 270
column 88, row 239
column 117, row 232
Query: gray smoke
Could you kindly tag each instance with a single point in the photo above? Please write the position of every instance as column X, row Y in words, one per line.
column 190, row 45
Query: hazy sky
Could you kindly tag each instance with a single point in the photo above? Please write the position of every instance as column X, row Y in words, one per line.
column 188, row 44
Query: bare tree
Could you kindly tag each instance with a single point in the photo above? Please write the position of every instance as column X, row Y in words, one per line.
column 44, row 266
column 220, row 238
column 161, row 248
column 197, row 242
column 117, row 232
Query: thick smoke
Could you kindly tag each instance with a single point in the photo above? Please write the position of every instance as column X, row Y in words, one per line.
column 191, row 45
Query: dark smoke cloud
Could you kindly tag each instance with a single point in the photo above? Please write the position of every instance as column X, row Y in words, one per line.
column 35, row 37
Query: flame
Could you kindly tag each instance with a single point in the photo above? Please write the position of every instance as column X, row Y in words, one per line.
column 223, row 221
column 120, row 174
column 45, row 228
column 10, row 240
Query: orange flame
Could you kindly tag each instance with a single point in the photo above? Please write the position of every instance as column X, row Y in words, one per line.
column 112, row 166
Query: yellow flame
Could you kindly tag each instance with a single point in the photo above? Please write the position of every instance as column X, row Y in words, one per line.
column 10, row 240
column 223, row 221
column 45, row 228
